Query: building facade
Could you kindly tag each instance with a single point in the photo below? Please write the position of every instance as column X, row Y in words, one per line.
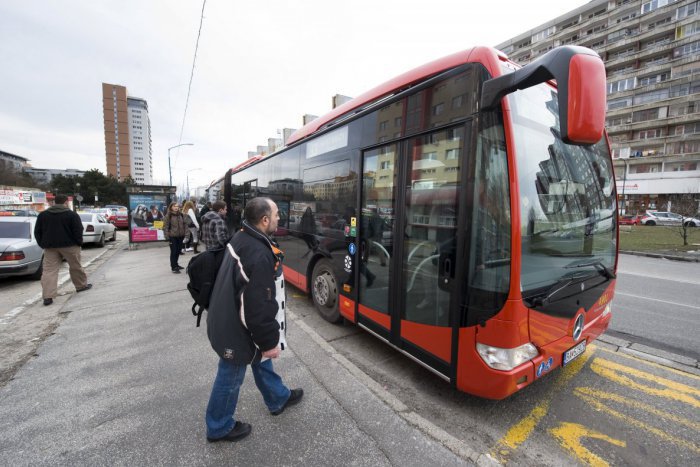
column 127, row 135
column 9, row 161
column 46, row 175
column 651, row 50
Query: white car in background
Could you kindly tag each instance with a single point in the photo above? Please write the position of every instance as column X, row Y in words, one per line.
column 668, row 218
column 20, row 254
column 96, row 229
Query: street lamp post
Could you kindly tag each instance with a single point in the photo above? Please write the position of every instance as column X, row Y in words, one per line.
column 170, row 171
column 77, row 196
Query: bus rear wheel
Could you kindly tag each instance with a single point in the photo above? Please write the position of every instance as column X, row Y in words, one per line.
column 324, row 291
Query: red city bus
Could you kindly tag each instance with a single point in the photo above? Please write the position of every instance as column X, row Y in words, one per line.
column 462, row 212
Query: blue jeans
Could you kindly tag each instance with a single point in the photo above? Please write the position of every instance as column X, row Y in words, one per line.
column 224, row 394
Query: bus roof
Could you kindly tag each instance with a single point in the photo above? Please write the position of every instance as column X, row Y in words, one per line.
column 485, row 55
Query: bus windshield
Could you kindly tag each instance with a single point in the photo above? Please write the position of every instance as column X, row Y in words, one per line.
column 567, row 197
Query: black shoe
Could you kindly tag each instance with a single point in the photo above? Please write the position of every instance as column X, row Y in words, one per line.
column 176, row 271
column 83, row 289
column 179, row 267
column 294, row 398
column 240, row 431
column 48, row 301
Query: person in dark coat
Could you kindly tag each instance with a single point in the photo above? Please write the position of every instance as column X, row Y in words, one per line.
column 59, row 231
column 249, row 296
column 174, row 231
column 214, row 232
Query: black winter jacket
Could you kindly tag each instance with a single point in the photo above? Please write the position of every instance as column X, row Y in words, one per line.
column 58, row 227
column 247, row 304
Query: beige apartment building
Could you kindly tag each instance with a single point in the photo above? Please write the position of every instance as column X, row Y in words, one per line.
column 127, row 135
column 651, row 50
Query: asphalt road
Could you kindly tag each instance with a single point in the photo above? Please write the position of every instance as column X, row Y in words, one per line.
column 657, row 303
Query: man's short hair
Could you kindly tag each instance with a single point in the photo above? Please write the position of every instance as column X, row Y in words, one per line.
column 218, row 206
column 256, row 209
column 60, row 199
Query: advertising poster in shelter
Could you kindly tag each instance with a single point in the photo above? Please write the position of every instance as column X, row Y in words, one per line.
column 146, row 213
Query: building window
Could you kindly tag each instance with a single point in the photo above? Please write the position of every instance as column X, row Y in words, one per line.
column 452, row 154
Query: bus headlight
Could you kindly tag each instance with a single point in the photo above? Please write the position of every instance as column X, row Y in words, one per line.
column 506, row 359
column 606, row 310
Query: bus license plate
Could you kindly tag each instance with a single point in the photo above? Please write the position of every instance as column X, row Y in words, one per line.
column 573, row 352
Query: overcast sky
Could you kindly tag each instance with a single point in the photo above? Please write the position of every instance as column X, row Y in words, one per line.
column 261, row 65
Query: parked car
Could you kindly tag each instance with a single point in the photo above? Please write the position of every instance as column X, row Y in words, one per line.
column 107, row 213
column 96, row 229
column 20, row 254
column 119, row 216
column 629, row 220
column 19, row 212
column 669, row 218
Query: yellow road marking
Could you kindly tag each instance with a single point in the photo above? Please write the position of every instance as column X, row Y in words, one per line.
column 521, row 431
column 673, row 390
column 654, row 364
column 637, row 405
column 569, row 436
column 633, row 421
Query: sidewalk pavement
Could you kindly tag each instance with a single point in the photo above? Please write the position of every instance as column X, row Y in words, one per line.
column 126, row 377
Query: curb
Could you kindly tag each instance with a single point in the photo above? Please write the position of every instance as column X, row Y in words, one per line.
column 690, row 259
column 457, row 446
column 671, row 360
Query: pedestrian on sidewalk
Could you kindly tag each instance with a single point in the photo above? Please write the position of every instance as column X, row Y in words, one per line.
column 59, row 231
column 259, row 328
column 214, row 232
column 174, row 231
column 192, row 236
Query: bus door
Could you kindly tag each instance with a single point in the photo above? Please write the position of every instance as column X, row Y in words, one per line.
column 408, row 295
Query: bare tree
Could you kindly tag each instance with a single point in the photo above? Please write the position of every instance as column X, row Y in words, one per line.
column 687, row 205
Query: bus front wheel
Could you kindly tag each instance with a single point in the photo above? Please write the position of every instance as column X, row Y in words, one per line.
column 324, row 291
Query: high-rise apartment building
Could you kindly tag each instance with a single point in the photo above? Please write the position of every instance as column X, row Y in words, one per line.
column 651, row 50
column 127, row 135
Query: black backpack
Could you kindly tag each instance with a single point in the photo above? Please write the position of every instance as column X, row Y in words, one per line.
column 202, row 270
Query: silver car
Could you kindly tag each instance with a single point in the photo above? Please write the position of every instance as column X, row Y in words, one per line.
column 668, row 218
column 96, row 229
column 20, row 254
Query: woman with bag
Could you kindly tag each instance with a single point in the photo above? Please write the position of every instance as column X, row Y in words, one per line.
column 174, row 230
column 192, row 226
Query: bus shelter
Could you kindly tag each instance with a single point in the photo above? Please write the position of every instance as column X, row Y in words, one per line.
column 148, row 205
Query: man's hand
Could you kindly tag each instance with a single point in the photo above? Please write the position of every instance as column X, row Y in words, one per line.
column 272, row 353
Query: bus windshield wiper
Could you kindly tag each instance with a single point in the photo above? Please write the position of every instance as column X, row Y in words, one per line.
column 543, row 298
column 596, row 263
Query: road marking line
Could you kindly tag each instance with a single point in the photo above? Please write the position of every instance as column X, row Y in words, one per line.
column 7, row 317
column 657, row 300
column 673, row 390
column 569, row 436
column 654, row 364
column 521, row 431
column 633, row 421
column 637, row 405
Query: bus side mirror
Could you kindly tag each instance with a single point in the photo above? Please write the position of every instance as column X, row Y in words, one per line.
column 580, row 76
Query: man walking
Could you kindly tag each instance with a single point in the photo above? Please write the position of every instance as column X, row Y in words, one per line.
column 59, row 231
column 257, row 332
column 214, row 232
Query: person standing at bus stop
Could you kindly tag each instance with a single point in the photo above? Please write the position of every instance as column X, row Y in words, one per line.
column 214, row 232
column 59, row 231
column 174, row 231
column 258, row 335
